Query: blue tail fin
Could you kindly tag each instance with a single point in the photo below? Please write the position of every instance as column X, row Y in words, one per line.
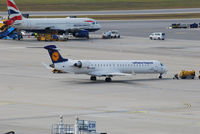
column 54, row 54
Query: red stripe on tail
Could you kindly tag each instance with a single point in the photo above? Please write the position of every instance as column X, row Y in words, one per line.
column 9, row 3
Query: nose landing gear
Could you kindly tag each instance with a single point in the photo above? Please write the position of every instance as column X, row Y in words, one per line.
column 160, row 77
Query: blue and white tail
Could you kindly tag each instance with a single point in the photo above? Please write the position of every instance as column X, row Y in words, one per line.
column 13, row 12
column 54, row 54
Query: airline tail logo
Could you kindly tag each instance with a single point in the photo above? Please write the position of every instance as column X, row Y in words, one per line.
column 13, row 12
column 55, row 56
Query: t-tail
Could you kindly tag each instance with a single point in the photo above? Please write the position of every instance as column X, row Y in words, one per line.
column 13, row 12
column 54, row 54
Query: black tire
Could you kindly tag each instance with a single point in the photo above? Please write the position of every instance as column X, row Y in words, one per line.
column 183, row 77
column 151, row 38
column 93, row 78
column 108, row 79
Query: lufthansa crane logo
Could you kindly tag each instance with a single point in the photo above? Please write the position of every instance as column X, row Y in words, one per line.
column 55, row 56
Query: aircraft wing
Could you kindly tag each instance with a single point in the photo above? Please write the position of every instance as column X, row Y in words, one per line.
column 109, row 73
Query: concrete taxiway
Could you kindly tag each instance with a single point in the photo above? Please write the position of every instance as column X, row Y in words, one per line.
column 142, row 28
column 32, row 98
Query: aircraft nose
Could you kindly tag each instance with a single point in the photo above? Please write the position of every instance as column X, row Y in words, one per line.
column 165, row 69
column 98, row 26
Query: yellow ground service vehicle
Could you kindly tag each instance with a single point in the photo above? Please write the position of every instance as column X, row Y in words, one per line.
column 47, row 37
column 57, row 71
column 40, row 37
column 187, row 74
column 44, row 37
column 3, row 27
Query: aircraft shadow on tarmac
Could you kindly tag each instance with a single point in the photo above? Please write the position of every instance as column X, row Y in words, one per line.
column 70, row 40
column 102, row 81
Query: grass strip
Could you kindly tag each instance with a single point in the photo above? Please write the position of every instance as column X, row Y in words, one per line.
column 91, row 5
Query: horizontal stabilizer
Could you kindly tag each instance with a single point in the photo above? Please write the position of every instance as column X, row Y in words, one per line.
column 46, row 66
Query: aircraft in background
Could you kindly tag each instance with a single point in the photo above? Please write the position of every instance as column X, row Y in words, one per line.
column 104, row 68
column 75, row 26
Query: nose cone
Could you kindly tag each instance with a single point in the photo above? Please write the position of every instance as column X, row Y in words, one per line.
column 165, row 69
column 97, row 26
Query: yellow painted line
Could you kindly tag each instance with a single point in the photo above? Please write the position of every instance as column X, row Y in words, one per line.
column 6, row 103
column 46, row 105
column 188, row 105
column 180, row 32
column 110, row 111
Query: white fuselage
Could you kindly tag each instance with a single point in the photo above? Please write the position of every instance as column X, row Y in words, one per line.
column 57, row 24
column 119, row 66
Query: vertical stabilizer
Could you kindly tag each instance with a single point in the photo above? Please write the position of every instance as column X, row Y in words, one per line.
column 54, row 54
column 13, row 12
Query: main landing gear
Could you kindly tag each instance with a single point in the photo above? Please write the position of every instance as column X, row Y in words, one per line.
column 108, row 79
column 93, row 78
column 160, row 77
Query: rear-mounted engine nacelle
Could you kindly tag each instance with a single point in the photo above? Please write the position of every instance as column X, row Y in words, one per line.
column 78, row 64
column 81, row 64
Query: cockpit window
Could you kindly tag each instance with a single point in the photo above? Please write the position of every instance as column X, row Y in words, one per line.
column 95, row 23
column 161, row 64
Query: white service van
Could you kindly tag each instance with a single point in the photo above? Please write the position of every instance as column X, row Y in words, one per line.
column 157, row 36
